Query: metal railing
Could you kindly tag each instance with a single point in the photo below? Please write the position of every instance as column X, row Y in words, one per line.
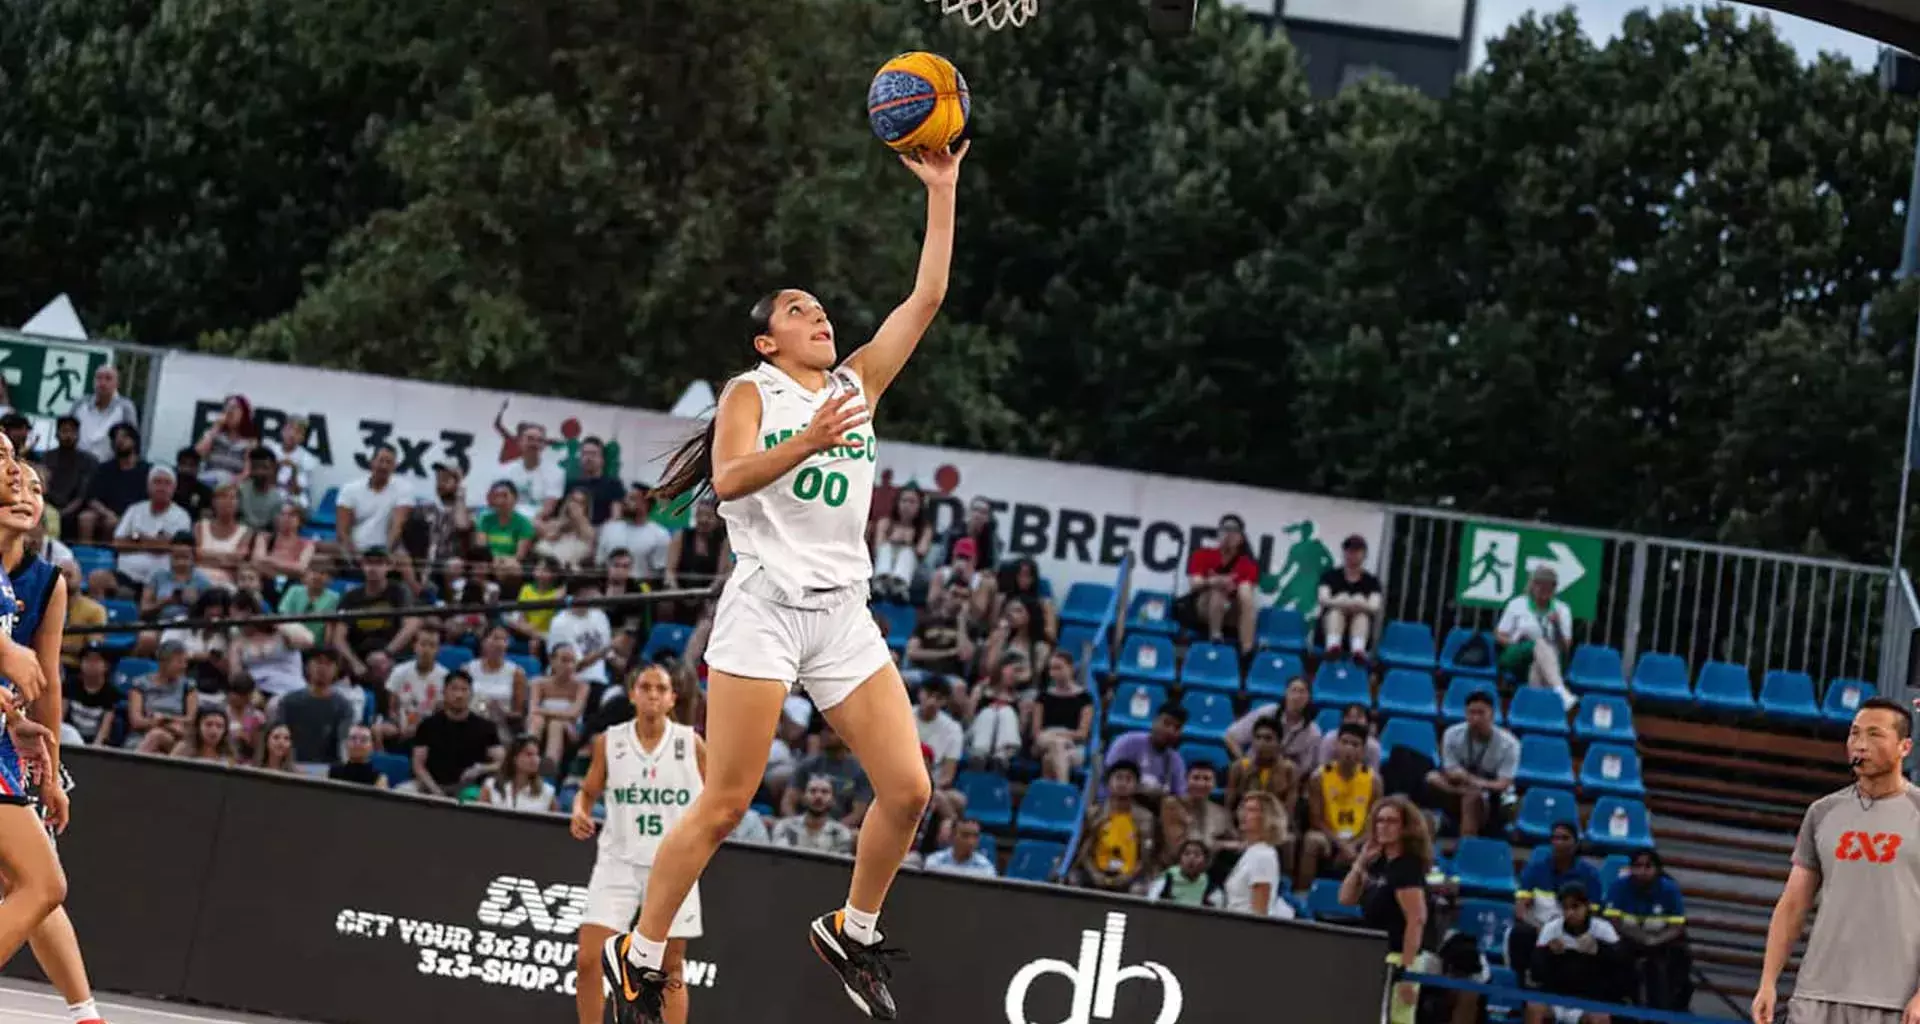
column 1830, row 619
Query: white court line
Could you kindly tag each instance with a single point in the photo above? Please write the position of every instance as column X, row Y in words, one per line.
column 18, row 989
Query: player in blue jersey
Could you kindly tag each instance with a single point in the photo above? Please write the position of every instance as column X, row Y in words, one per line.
column 41, row 625
column 35, row 883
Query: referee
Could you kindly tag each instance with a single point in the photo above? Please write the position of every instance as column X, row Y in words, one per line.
column 1859, row 850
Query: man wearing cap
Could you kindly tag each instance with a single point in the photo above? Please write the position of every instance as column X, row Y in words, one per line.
column 637, row 534
column 147, row 529
column 117, row 483
column 441, row 527
column 1220, row 582
column 1536, row 634
column 603, row 491
column 1350, row 601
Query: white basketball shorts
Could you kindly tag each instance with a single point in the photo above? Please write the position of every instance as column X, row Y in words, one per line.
column 614, row 894
column 829, row 650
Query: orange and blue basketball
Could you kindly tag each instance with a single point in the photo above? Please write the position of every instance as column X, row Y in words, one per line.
column 917, row 102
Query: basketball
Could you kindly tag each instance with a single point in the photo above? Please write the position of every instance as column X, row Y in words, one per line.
column 918, row 101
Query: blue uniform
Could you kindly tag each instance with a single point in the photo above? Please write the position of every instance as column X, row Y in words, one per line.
column 13, row 780
column 33, row 581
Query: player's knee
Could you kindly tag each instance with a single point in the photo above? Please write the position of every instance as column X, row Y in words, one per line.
column 717, row 814
column 43, row 893
column 908, row 798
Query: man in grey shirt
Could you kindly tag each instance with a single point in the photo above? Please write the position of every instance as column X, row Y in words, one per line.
column 319, row 716
column 1859, row 850
column 1477, row 762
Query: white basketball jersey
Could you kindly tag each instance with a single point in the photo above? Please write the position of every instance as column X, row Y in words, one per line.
column 807, row 530
column 647, row 791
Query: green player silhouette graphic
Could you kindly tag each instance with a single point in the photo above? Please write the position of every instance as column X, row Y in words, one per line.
column 1296, row 584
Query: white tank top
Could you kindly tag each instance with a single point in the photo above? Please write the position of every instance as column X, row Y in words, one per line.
column 805, row 532
column 647, row 791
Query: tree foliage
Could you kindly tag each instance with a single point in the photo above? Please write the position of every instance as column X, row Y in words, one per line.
column 1617, row 285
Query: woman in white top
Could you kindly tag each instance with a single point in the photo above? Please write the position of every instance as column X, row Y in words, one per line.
column 567, row 535
column 499, row 685
column 518, row 786
column 220, row 540
column 1253, row 886
column 791, row 457
column 269, row 655
column 558, row 700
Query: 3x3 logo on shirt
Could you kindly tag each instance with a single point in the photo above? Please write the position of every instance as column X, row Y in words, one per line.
column 1872, row 847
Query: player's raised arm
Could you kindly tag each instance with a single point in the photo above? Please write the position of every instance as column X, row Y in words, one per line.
column 880, row 360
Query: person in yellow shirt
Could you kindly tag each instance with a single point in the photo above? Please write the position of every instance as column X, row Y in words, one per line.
column 81, row 611
column 1117, row 844
column 1340, row 796
column 1264, row 769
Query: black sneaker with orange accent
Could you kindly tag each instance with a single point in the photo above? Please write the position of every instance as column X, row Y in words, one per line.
column 636, row 995
column 863, row 969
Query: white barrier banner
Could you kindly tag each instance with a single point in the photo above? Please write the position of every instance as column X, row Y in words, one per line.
column 1075, row 520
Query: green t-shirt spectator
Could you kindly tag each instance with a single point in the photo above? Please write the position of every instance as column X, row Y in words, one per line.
column 503, row 538
column 298, row 602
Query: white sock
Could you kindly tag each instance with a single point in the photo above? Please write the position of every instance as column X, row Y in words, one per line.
column 83, row 1011
column 645, row 953
column 858, row 925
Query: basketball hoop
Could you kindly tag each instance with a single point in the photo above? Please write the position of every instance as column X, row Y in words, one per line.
column 994, row 14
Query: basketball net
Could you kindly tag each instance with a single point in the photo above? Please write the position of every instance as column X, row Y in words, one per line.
column 994, row 14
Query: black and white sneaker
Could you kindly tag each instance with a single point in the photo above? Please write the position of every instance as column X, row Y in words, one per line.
column 635, row 995
column 863, row 969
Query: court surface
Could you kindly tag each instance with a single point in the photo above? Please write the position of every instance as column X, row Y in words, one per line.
column 26, row 1002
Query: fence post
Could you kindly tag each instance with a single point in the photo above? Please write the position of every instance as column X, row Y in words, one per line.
column 1636, row 597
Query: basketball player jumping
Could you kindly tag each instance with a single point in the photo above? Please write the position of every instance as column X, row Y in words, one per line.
column 793, row 469
column 1859, row 850
column 649, row 770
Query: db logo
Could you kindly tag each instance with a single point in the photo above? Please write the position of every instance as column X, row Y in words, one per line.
column 1095, row 979
column 521, row 902
column 1874, row 847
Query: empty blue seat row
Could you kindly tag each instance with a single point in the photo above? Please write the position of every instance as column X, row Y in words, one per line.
column 1606, row 768
column 1209, row 714
column 1035, row 860
column 1617, row 824
column 1050, row 809
column 1086, row 604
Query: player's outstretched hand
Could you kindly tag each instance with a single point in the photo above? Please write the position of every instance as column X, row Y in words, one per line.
column 582, row 824
column 937, row 167
column 829, row 426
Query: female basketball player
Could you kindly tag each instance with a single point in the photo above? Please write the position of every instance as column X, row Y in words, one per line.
column 795, row 478
column 35, row 884
column 40, row 624
column 649, row 770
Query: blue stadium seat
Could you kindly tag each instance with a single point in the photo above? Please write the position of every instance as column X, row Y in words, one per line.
column 1208, row 715
column 1633, row 831
column 1328, row 721
column 1788, row 696
column 130, row 669
column 1270, row 673
column 90, row 559
column 1134, row 705
column 398, row 769
column 1281, row 629
column 323, row 513
column 120, row 612
column 765, row 811
column 1035, row 860
column 1485, row 867
column 1410, row 732
column 453, row 658
column 1408, row 645
column 1340, row 683
column 1661, row 677
column 1538, row 710
column 528, row 664
column 669, row 638
column 1489, row 921
column 1614, row 866
column 901, row 620
column 1194, row 752
column 1211, row 667
column 989, row 799
column 1609, row 769
column 1147, row 657
column 1607, row 719
column 1323, row 902
column 1540, row 809
column 1050, row 810
column 1151, row 611
column 321, row 534
column 1724, row 686
column 1454, row 707
column 340, row 586
column 1844, row 697
column 1507, row 1009
column 1074, row 641
column 564, row 797
column 1406, row 692
column 1545, row 761
column 1456, row 638
column 1086, row 604
column 1596, row 668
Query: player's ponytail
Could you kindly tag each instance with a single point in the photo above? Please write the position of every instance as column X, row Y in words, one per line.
column 690, row 467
